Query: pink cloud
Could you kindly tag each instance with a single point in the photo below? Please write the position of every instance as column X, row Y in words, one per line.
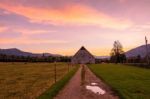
column 2, row 28
column 122, row 1
column 75, row 14
column 28, row 32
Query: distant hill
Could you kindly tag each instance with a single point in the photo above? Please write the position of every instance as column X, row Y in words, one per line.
column 17, row 52
column 102, row 57
column 141, row 50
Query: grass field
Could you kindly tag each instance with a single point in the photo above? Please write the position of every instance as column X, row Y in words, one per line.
column 129, row 82
column 28, row 80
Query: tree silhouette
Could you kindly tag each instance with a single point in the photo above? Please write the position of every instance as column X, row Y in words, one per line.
column 117, row 53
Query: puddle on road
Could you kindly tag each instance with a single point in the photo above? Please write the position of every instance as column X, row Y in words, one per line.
column 95, row 89
column 93, row 84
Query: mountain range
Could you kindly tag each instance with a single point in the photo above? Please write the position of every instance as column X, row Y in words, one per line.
column 141, row 50
column 102, row 57
column 17, row 52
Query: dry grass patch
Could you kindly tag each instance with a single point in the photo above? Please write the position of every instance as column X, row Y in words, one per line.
column 20, row 80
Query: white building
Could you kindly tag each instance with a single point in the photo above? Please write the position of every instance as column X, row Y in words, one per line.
column 83, row 57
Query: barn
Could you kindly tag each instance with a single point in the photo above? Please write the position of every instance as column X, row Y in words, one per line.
column 83, row 56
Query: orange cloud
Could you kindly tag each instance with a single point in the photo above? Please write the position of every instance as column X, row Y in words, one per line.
column 3, row 28
column 30, row 41
column 76, row 14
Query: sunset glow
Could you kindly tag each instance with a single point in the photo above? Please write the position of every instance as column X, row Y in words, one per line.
column 62, row 27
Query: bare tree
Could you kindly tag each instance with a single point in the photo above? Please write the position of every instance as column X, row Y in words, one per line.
column 117, row 53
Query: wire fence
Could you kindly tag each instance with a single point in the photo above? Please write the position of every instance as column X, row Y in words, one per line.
column 27, row 81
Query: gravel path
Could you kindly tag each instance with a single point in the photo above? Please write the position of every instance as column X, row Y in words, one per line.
column 75, row 90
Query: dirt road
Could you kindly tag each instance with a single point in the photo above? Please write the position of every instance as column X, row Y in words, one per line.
column 75, row 90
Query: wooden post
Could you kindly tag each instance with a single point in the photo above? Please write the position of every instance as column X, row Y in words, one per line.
column 55, row 76
column 68, row 67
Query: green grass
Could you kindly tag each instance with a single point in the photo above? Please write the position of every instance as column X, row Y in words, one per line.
column 54, row 89
column 129, row 82
column 28, row 80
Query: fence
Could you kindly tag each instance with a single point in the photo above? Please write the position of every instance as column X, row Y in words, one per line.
column 29, row 80
column 69, row 66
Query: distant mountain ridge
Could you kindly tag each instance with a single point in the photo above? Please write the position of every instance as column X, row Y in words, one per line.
column 102, row 57
column 17, row 52
column 141, row 50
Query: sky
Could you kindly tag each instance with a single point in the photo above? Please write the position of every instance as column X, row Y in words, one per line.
column 63, row 26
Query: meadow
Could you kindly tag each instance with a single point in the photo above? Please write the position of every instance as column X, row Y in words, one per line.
column 28, row 80
column 127, row 81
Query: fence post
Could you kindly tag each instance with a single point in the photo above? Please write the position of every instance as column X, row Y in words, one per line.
column 68, row 67
column 55, row 78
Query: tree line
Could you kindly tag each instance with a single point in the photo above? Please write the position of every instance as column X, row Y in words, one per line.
column 14, row 58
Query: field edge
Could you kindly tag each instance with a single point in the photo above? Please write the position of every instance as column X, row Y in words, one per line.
column 55, row 88
column 103, row 80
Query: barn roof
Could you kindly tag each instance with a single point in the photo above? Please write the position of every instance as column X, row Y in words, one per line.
column 83, row 56
column 81, row 49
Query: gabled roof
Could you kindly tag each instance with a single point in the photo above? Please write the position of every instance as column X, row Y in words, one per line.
column 81, row 49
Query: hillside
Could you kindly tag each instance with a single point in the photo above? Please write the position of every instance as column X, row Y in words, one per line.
column 102, row 57
column 17, row 52
column 141, row 50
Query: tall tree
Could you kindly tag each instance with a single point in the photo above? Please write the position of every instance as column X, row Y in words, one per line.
column 117, row 53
